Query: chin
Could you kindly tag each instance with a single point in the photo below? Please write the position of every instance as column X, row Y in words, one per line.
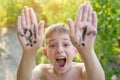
column 61, row 70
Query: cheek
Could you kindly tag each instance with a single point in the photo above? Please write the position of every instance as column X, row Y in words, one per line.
column 72, row 54
column 50, row 55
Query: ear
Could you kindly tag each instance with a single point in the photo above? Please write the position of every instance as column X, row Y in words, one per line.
column 45, row 52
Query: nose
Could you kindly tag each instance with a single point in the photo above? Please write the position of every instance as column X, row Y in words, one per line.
column 60, row 50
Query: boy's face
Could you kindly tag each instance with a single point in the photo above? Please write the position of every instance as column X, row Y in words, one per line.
column 60, row 51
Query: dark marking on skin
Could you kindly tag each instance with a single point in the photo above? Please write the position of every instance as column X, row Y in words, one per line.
column 30, row 33
column 34, row 31
column 80, row 40
column 18, row 33
column 31, row 45
column 27, row 44
column 22, row 35
column 91, row 32
column 75, row 43
column 25, row 30
column 94, row 33
column 29, row 36
column 35, row 42
column 84, row 33
column 28, row 30
column 83, row 44
column 30, row 40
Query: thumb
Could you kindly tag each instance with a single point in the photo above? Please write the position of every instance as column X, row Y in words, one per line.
column 41, row 27
column 71, row 26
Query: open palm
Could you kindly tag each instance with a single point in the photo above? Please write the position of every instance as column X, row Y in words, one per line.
column 30, row 34
column 83, row 31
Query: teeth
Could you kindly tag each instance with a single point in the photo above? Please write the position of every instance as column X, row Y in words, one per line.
column 61, row 57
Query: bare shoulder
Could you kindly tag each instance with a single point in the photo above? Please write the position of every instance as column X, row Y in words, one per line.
column 78, row 65
column 81, row 68
column 41, row 67
column 39, row 71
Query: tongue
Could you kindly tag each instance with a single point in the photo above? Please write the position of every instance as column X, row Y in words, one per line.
column 61, row 62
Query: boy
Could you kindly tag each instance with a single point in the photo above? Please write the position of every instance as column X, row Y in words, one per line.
column 61, row 46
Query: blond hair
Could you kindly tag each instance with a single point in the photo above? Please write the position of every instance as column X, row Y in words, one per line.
column 56, row 28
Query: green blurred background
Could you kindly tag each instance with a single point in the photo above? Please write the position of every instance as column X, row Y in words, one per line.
column 107, row 44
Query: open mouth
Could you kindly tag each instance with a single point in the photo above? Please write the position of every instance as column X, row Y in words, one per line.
column 61, row 61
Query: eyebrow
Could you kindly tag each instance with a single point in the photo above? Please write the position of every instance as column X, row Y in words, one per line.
column 50, row 40
column 55, row 39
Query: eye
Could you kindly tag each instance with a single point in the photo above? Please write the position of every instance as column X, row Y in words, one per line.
column 52, row 46
column 66, row 45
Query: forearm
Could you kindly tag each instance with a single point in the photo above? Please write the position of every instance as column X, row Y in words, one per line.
column 25, row 67
column 94, row 70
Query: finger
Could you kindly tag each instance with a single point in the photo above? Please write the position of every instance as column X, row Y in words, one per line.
column 34, row 32
column 23, row 21
column 79, row 14
column 94, row 19
column 19, row 26
column 85, row 11
column 90, row 14
column 71, row 27
column 27, row 16
column 32, row 17
column 41, row 28
column 31, row 32
column 20, row 30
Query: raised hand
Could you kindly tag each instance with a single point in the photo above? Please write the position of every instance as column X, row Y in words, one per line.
column 30, row 34
column 84, row 30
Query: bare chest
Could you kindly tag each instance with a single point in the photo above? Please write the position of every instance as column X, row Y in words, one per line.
column 65, row 77
column 62, row 78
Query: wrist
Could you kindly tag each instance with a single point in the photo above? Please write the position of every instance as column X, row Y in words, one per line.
column 86, row 52
column 29, row 53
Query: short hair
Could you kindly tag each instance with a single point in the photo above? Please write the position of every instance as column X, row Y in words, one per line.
column 56, row 28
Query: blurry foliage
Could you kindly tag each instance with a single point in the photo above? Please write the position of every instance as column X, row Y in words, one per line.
column 41, row 58
column 107, row 44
